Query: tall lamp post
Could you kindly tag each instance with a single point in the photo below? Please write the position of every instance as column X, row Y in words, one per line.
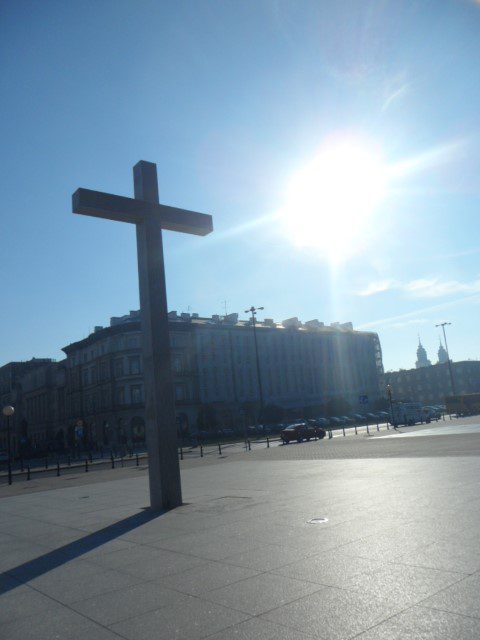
column 389, row 394
column 253, row 311
column 452, row 382
column 7, row 412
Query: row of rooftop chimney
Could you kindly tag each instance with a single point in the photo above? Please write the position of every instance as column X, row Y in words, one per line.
column 232, row 318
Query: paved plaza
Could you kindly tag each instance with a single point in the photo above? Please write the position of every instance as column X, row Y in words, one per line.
column 395, row 554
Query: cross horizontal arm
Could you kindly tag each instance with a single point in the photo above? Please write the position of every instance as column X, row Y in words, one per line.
column 122, row 209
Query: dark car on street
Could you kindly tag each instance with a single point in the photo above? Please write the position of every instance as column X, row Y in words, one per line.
column 300, row 432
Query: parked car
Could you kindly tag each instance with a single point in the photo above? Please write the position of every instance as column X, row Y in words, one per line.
column 336, row 422
column 228, row 433
column 358, row 418
column 373, row 417
column 319, row 422
column 384, row 416
column 298, row 432
column 346, row 420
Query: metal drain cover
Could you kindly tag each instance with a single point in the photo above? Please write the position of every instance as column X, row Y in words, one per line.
column 317, row 521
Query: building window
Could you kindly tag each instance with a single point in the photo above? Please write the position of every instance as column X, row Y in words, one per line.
column 136, row 393
column 134, row 365
column 103, row 371
column 177, row 363
column 120, row 395
column 118, row 367
column 179, row 392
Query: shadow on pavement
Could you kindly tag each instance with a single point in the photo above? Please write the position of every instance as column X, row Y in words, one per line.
column 56, row 558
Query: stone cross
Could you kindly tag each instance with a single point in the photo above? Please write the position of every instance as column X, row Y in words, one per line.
column 150, row 218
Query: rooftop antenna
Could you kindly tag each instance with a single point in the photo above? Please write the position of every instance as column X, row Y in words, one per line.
column 224, row 302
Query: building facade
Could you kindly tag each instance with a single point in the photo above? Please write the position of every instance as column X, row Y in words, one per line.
column 431, row 384
column 95, row 397
column 13, row 378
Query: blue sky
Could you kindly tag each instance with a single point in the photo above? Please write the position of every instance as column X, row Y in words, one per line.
column 231, row 99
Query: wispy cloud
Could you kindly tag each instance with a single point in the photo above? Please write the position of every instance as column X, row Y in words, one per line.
column 403, row 317
column 408, row 323
column 422, row 287
column 377, row 287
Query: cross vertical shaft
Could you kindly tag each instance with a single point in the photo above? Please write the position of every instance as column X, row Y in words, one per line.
column 161, row 432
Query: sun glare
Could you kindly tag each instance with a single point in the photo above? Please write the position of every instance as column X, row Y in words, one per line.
column 331, row 201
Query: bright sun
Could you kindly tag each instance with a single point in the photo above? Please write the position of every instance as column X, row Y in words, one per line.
column 331, row 201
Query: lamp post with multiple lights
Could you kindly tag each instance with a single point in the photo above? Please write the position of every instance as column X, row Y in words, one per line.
column 7, row 412
column 452, row 382
column 253, row 311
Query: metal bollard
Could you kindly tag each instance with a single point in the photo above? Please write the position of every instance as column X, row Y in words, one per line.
column 58, row 468
column 268, row 442
column 249, row 445
column 201, row 451
column 368, row 430
column 378, row 428
column 86, row 465
column 356, row 432
column 219, row 449
column 388, row 427
column 28, row 472
column 343, row 429
column 112, row 460
column 121, row 460
column 181, row 453
column 136, row 461
column 9, row 472
column 330, row 434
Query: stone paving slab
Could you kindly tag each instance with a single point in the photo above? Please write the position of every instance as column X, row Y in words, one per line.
column 397, row 556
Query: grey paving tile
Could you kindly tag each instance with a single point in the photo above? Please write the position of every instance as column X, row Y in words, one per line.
column 122, row 604
column 419, row 623
column 256, row 629
column 60, row 624
column 332, row 614
column 261, row 593
column 332, row 568
column 387, row 546
column 207, row 546
column 18, row 554
column 401, row 584
column 197, row 619
column 462, row 598
column 77, row 579
column 446, row 556
column 269, row 557
column 22, row 601
column 206, row 577
column 148, row 563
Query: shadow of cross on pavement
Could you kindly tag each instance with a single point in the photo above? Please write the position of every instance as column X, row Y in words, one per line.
column 53, row 559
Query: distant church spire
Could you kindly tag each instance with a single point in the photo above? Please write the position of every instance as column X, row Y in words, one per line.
column 442, row 353
column 422, row 360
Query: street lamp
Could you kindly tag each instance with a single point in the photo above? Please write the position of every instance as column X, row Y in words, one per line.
column 443, row 325
column 389, row 393
column 253, row 311
column 7, row 412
